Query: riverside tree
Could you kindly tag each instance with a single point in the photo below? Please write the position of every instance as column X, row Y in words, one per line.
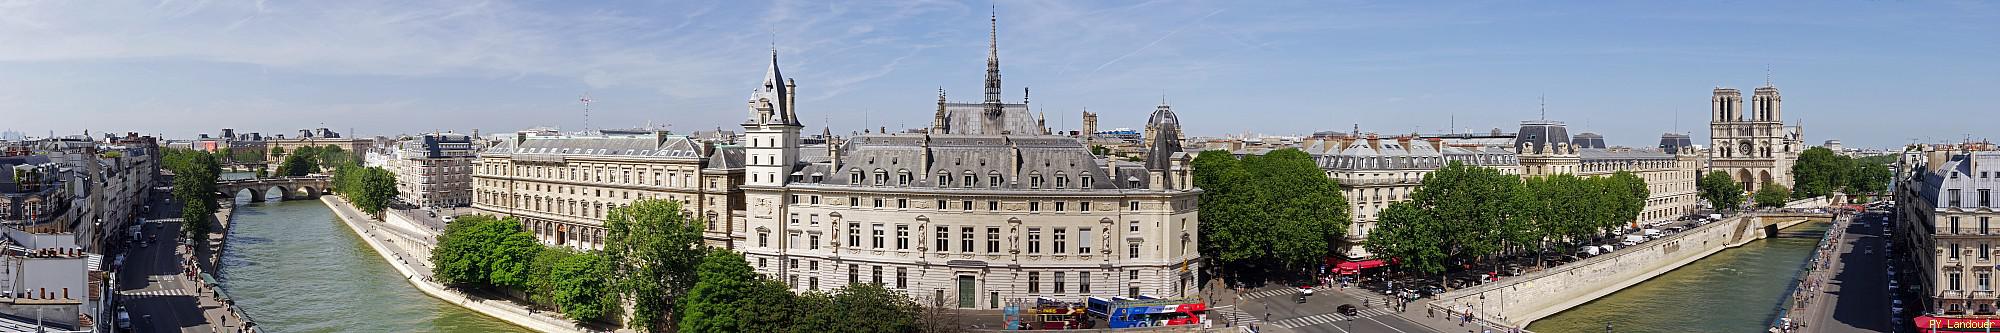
column 478, row 251
column 653, row 250
column 1771, row 195
column 1721, row 191
column 1460, row 213
column 1819, row 172
column 195, row 173
column 1271, row 213
column 371, row 189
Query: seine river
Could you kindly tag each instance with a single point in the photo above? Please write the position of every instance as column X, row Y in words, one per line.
column 294, row 268
column 1733, row 291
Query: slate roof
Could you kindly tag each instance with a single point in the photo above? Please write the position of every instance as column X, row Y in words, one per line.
column 1013, row 157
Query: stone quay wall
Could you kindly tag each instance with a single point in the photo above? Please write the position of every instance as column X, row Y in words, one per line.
column 1520, row 300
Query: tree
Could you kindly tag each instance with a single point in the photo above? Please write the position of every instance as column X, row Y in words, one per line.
column 653, row 248
column 1459, row 214
column 332, row 156
column 711, row 306
column 298, row 165
column 479, row 251
column 1771, row 195
column 582, row 287
column 861, row 307
column 1819, row 172
column 1268, row 213
column 195, row 173
column 277, row 152
column 1720, row 190
column 1869, row 178
column 371, row 189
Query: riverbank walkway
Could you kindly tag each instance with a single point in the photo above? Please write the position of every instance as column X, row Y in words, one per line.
column 1848, row 290
column 396, row 245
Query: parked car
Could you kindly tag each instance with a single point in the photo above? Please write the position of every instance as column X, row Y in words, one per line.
column 1631, row 240
column 1348, row 309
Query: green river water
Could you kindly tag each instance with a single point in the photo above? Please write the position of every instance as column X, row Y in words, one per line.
column 295, row 268
column 1733, row 291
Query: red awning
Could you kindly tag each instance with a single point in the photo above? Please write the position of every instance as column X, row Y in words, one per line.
column 1351, row 267
column 1954, row 324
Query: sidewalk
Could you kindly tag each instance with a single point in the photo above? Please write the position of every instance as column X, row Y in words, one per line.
column 220, row 314
column 415, row 269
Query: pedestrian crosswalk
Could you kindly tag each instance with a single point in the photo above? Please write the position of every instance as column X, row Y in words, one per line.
column 1328, row 318
column 1233, row 315
column 153, row 293
column 1280, row 292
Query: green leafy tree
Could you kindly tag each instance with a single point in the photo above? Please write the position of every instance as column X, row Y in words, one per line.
column 277, row 152
column 1819, row 172
column 861, row 307
column 371, row 189
column 1268, row 213
column 298, row 165
column 195, row 173
column 1460, row 213
column 653, row 250
column 726, row 284
column 479, row 251
column 1771, row 195
column 332, row 156
column 541, row 274
column 1720, row 190
column 582, row 287
column 1869, row 178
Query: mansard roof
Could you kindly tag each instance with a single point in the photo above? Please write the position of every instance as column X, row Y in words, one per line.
column 1015, row 158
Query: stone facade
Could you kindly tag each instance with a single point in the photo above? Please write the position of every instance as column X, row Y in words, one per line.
column 562, row 186
column 972, row 214
column 1757, row 147
column 1947, row 209
column 1374, row 172
column 435, row 170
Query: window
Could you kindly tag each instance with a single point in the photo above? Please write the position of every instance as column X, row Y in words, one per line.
column 993, row 179
column 1083, row 206
column 1985, row 197
column 1954, row 252
column 965, row 205
column 1061, row 245
column 943, row 180
column 1955, row 283
column 815, row 199
column 812, row 242
column 795, row 263
column 965, row 239
column 878, row 202
column 902, row 278
column 1132, row 251
column 992, row 205
column 1954, row 225
column 1059, row 278
column 763, row 239
column 1061, row 182
column 1984, row 252
column 878, row 235
column 1133, row 275
column 1034, row 206
column 1083, row 280
column 1083, row 240
column 793, row 243
column 1034, row 240
column 1086, row 184
column 813, row 283
column 942, row 205
column 881, row 177
column 761, row 262
column 943, row 239
column 1985, row 281
column 1134, row 226
column 814, row 217
column 992, row 240
column 1132, row 205
column 902, row 203
column 1034, row 282
column 878, row 275
column 970, row 180
column 853, row 234
column 854, row 201
column 853, row 274
column 795, row 217
column 1060, row 205
column 1035, row 181
column 1953, row 197
column 902, row 237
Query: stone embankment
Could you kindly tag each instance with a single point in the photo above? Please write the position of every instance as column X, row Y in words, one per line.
column 407, row 249
column 1517, row 301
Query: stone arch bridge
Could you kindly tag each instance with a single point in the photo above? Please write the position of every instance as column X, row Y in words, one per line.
column 302, row 187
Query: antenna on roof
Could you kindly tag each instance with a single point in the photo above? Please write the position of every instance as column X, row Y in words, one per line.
column 1545, row 106
column 1767, row 74
column 586, row 108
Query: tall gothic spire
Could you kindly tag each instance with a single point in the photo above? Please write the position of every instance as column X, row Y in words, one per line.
column 993, row 60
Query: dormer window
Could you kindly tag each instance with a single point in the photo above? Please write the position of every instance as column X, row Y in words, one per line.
column 944, row 179
column 881, row 177
column 1062, row 181
column 903, row 178
column 1086, row 181
column 854, row 177
column 993, row 179
column 1035, row 180
column 970, row 179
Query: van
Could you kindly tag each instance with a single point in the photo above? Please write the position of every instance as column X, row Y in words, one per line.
column 1591, row 251
column 1653, row 233
column 1631, row 240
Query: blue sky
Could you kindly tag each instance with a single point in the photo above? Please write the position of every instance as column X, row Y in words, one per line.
column 1870, row 73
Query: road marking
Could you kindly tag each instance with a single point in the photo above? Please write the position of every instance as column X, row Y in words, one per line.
column 1235, row 315
column 1281, row 291
column 153, row 293
column 1329, row 318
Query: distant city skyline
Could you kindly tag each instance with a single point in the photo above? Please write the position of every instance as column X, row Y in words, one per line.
column 1871, row 74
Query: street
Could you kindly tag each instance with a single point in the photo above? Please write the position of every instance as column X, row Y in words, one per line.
column 153, row 288
column 1855, row 297
column 1277, row 309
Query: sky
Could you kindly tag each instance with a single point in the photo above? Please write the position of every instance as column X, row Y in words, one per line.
column 1868, row 73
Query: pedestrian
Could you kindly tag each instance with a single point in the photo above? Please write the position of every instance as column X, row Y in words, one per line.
column 1431, row 312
